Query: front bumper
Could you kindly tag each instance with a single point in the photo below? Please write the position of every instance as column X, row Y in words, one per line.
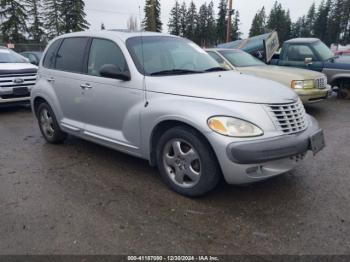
column 308, row 96
column 7, row 97
column 246, row 162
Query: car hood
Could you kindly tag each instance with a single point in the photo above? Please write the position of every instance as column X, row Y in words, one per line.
column 282, row 74
column 13, row 68
column 342, row 62
column 230, row 86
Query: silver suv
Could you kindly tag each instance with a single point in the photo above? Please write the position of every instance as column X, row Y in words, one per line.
column 17, row 77
column 162, row 98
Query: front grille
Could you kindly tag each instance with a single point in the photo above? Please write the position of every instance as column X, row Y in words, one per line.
column 9, row 81
column 321, row 82
column 288, row 118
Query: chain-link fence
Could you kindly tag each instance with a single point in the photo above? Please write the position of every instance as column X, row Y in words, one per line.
column 22, row 47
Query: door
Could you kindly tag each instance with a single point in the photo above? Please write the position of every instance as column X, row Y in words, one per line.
column 112, row 107
column 67, row 79
column 295, row 56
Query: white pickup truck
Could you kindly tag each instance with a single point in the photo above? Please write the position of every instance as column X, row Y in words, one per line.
column 17, row 76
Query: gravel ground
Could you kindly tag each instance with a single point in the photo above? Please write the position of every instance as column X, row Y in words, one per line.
column 81, row 198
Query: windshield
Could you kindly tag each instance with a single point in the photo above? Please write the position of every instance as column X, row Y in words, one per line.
column 324, row 52
column 240, row 58
column 165, row 55
column 9, row 56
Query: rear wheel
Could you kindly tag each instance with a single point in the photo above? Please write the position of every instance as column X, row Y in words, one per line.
column 49, row 126
column 186, row 162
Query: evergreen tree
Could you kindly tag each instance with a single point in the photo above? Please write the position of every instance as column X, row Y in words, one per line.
column 259, row 24
column 53, row 22
column 221, row 23
column 74, row 16
column 132, row 23
column 36, row 28
column 280, row 21
column 211, row 26
column 191, row 22
column 236, row 33
column 299, row 28
column 174, row 24
column 334, row 28
column 152, row 21
column 183, row 15
column 345, row 23
column 321, row 21
column 309, row 22
column 201, row 32
column 14, row 17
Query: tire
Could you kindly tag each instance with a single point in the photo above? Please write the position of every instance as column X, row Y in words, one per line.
column 186, row 162
column 48, row 125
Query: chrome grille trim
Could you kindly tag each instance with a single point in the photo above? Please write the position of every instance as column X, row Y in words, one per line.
column 8, row 81
column 288, row 118
column 321, row 82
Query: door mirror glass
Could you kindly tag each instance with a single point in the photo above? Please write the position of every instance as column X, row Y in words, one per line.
column 112, row 71
column 308, row 61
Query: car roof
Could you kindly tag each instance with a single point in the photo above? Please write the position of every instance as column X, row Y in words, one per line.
column 302, row 40
column 122, row 34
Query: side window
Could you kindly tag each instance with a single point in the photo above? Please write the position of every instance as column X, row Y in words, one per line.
column 217, row 58
column 49, row 60
column 70, row 56
column 32, row 58
column 299, row 53
column 103, row 52
column 220, row 60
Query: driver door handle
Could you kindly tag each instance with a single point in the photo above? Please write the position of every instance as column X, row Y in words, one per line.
column 85, row 86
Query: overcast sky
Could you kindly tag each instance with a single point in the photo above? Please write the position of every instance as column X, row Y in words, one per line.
column 115, row 13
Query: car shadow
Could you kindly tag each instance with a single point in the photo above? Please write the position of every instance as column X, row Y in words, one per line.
column 9, row 109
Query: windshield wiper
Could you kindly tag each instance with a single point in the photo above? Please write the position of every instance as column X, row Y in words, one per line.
column 175, row 72
column 214, row 69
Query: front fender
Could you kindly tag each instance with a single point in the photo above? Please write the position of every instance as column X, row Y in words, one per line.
column 195, row 113
column 335, row 74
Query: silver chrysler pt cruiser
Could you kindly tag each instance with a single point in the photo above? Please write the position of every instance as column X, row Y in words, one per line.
column 162, row 98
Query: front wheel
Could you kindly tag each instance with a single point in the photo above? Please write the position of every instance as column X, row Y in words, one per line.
column 186, row 162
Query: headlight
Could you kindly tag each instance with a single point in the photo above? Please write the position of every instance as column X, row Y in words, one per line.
column 229, row 126
column 300, row 84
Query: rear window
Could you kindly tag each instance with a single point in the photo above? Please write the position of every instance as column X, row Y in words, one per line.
column 70, row 56
column 49, row 60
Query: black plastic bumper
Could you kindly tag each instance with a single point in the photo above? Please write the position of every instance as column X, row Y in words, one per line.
column 260, row 151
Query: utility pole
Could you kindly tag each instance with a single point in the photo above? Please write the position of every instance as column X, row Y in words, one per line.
column 229, row 21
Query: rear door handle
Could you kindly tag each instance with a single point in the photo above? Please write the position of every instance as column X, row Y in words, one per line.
column 85, row 86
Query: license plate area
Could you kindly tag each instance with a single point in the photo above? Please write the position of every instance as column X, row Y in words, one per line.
column 21, row 91
column 317, row 142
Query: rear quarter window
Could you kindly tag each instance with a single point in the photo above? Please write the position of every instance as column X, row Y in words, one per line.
column 70, row 56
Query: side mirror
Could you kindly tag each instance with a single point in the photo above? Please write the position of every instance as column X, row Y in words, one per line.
column 308, row 61
column 112, row 71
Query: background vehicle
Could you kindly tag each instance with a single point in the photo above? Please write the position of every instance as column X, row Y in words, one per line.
column 305, row 53
column 309, row 85
column 313, row 54
column 33, row 56
column 164, row 99
column 17, row 76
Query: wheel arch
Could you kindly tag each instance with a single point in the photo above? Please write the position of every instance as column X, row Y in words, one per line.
column 165, row 125
column 37, row 102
